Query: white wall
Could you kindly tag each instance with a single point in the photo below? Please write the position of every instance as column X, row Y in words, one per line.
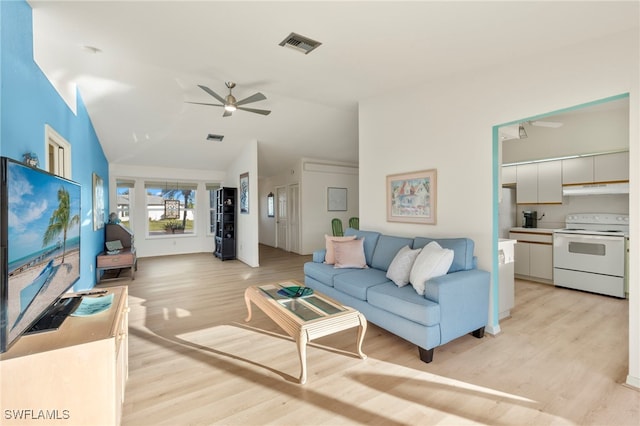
column 447, row 125
column 247, row 224
column 314, row 176
column 585, row 133
column 201, row 241
column 317, row 177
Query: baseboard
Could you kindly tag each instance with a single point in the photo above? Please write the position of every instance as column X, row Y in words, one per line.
column 633, row 381
column 492, row 329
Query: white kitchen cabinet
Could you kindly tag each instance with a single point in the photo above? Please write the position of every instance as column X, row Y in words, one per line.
column 550, row 182
column 577, row 170
column 611, row 167
column 522, row 254
column 527, row 184
column 506, row 290
column 541, row 261
column 509, row 175
column 539, row 183
column 533, row 255
column 596, row 169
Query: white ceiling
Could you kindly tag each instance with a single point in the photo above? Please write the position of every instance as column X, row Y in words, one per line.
column 154, row 54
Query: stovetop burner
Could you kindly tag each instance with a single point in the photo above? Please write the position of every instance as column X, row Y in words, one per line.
column 597, row 224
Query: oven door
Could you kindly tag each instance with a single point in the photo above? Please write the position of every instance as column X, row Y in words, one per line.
column 600, row 254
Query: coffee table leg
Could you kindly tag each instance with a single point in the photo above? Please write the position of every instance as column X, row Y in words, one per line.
column 248, row 302
column 362, row 329
column 301, row 341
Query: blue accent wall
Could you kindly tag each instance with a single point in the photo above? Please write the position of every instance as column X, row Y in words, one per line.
column 28, row 101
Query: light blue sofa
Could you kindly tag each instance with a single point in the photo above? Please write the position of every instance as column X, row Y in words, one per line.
column 453, row 305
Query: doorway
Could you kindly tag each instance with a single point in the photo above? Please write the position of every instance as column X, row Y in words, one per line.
column 554, row 149
column 288, row 218
column 282, row 218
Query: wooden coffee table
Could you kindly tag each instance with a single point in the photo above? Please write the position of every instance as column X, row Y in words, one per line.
column 305, row 318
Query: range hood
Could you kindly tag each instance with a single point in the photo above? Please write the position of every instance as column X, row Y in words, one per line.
column 596, row 189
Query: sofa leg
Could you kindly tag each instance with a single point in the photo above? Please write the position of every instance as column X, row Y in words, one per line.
column 479, row 333
column 426, row 355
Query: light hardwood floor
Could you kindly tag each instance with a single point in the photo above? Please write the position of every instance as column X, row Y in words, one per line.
column 560, row 359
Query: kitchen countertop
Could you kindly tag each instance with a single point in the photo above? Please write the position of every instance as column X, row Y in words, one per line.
column 533, row 230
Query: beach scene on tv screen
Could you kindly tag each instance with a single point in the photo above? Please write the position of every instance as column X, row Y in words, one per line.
column 44, row 243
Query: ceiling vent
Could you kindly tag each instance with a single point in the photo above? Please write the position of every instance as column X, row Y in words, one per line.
column 212, row 137
column 299, row 43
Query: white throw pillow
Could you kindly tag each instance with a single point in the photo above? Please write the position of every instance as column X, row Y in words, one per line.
column 433, row 261
column 400, row 267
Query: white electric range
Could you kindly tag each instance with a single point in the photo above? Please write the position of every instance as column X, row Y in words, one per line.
column 590, row 253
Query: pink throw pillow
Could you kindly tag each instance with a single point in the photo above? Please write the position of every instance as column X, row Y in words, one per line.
column 329, row 257
column 350, row 254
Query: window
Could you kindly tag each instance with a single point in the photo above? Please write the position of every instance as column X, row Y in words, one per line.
column 58, row 153
column 211, row 190
column 159, row 192
column 124, row 201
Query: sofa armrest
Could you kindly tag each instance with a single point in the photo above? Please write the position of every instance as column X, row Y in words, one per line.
column 318, row 255
column 463, row 297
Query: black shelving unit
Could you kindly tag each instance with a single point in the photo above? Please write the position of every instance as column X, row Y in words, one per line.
column 225, row 223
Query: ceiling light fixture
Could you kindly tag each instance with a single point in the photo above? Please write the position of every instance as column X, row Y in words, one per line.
column 230, row 100
column 521, row 132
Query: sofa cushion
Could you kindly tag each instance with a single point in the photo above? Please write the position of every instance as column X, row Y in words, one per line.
column 462, row 251
column 404, row 302
column 356, row 282
column 322, row 272
column 370, row 241
column 433, row 261
column 329, row 256
column 349, row 254
column 386, row 248
column 400, row 267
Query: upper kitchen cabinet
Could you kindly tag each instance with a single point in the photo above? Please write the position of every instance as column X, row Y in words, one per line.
column 596, row 169
column 539, row 183
column 611, row 167
column 577, row 170
column 509, row 175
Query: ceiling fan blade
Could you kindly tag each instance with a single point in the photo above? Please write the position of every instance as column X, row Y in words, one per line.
column 253, row 98
column 257, row 111
column 212, row 93
column 203, row 103
column 551, row 124
column 226, row 113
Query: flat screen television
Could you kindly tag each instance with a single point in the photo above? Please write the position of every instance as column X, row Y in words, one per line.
column 40, row 248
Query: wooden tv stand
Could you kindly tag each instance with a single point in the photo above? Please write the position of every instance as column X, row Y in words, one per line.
column 75, row 375
column 125, row 259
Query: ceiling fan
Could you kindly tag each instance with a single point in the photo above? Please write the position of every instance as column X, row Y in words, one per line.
column 230, row 104
column 552, row 124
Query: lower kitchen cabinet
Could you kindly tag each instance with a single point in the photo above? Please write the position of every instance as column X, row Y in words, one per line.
column 533, row 255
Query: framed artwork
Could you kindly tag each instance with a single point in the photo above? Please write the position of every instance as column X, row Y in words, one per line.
column 337, row 199
column 270, row 205
column 411, row 197
column 172, row 209
column 98, row 202
column 244, row 193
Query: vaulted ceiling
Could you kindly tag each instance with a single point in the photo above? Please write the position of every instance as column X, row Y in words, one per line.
column 137, row 64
